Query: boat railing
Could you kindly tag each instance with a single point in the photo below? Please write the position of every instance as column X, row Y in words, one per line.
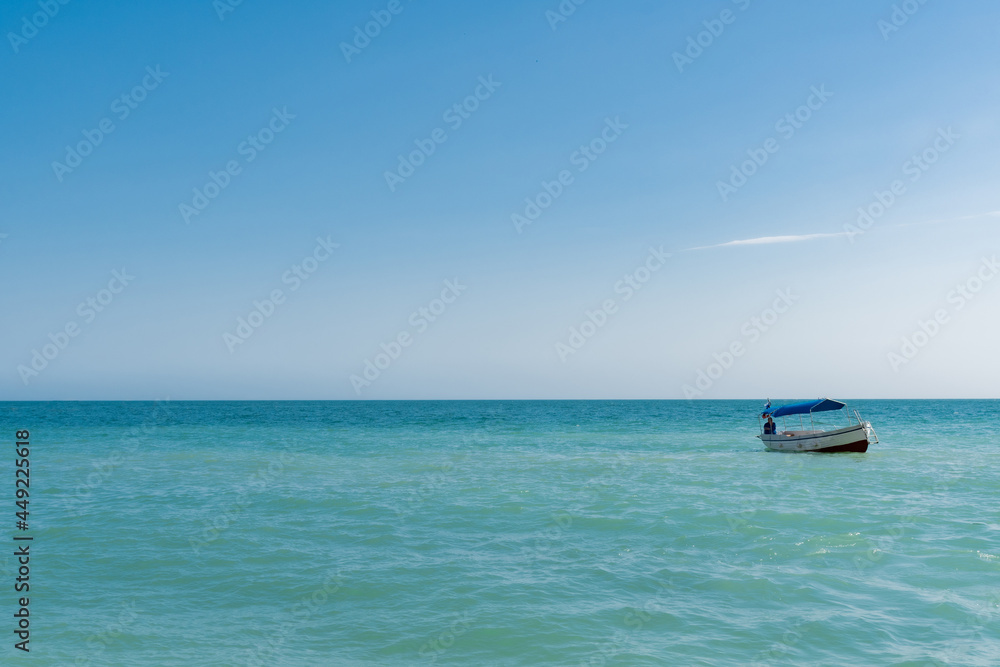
column 869, row 429
column 832, row 421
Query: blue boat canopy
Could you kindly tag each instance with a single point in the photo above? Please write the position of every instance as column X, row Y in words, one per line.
column 820, row 405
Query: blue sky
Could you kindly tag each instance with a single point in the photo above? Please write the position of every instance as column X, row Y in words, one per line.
column 853, row 326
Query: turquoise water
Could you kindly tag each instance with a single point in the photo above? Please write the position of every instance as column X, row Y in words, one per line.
column 505, row 533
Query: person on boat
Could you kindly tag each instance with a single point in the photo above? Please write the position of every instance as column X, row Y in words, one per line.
column 769, row 426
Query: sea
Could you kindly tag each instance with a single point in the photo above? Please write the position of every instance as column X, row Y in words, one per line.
column 499, row 533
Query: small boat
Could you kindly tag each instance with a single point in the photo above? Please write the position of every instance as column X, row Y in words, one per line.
column 855, row 437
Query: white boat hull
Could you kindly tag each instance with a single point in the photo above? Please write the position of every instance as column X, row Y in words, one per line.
column 851, row 439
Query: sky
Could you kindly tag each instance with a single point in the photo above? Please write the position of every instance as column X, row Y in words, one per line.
column 518, row 200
